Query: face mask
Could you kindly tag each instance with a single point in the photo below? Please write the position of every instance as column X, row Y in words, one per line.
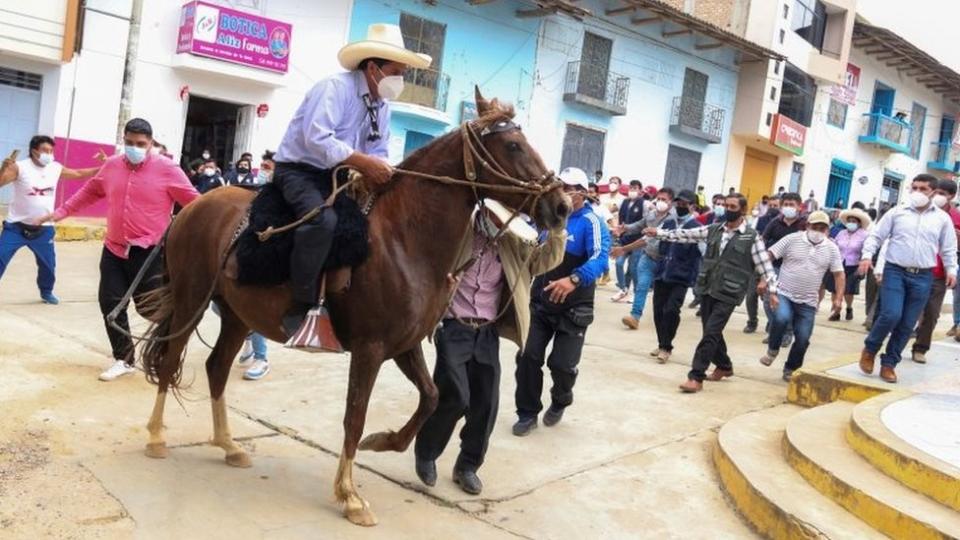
column 633, row 194
column 390, row 87
column 730, row 217
column 719, row 211
column 755, row 213
column 209, row 172
column 614, row 189
column 243, row 168
column 940, row 201
column 662, row 206
column 816, row 236
column 852, row 227
column 682, row 211
column 45, row 159
column 135, row 155
column 205, row 155
column 789, row 212
column 918, row 200
column 263, row 176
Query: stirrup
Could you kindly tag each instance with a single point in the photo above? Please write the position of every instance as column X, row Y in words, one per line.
column 316, row 333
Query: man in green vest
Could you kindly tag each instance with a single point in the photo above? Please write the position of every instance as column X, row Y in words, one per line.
column 734, row 251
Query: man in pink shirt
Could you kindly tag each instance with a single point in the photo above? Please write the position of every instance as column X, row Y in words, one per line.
column 140, row 189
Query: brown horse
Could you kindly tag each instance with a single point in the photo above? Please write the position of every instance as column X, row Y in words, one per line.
column 396, row 296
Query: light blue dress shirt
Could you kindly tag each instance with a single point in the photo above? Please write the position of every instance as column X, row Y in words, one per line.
column 332, row 123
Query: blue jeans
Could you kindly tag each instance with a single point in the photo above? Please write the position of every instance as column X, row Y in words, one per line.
column 11, row 240
column 800, row 317
column 904, row 297
column 643, row 278
column 259, row 346
column 626, row 268
column 956, row 306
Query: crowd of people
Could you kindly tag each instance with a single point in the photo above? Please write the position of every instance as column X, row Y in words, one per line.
column 785, row 254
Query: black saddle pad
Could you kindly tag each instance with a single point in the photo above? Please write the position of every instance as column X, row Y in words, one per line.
column 268, row 263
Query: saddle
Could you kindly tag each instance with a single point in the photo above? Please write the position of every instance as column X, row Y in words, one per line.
column 265, row 263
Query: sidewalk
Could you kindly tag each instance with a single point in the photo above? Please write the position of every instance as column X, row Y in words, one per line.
column 74, row 229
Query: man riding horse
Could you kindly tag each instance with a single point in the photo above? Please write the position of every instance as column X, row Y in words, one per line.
column 343, row 121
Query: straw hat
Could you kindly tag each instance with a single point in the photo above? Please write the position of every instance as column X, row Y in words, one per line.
column 517, row 226
column 383, row 41
column 862, row 217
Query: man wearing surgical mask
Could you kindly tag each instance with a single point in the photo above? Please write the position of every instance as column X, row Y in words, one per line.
column 343, row 120
column 915, row 234
column 140, row 189
column 35, row 182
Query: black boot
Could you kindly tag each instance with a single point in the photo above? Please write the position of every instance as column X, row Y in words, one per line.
column 426, row 471
column 311, row 245
column 468, row 481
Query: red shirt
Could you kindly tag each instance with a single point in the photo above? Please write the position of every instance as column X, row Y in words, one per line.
column 140, row 199
column 939, row 272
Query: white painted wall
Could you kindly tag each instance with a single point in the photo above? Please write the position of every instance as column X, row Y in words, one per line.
column 33, row 29
column 636, row 144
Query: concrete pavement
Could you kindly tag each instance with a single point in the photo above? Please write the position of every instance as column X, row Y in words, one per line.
column 630, row 459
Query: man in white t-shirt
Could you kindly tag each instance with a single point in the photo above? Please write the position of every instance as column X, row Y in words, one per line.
column 807, row 256
column 34, row 192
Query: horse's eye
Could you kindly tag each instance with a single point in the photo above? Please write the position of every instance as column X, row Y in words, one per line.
column 513, row 146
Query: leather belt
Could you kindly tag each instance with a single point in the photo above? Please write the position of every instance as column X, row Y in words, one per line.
column 913, row 270
column 472, row 323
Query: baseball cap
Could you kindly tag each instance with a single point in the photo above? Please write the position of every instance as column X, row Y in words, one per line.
column 573, row 176
column 818, row 217
column 686, row 195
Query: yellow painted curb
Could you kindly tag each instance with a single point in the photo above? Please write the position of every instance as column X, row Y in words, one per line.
column 766, row 518
column 897, row 459
column 818, row 388
column 885, row 519
column 66, row 232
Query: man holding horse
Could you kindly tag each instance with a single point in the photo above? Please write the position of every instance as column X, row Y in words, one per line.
column 491, row 300
column 141, row 189
column 344, row 120
column 561, row 310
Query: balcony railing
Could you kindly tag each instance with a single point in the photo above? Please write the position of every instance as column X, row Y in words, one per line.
column 596, row 87
column 885, row 131
column 944, row 158
column 426, row 87
column 697, row 119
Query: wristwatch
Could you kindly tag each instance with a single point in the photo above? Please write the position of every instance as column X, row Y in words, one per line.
column 575, row 279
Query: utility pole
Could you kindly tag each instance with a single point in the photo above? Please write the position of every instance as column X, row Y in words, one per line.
column 129, row 68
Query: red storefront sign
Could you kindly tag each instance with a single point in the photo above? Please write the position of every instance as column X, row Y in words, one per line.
column 847, row 92
column 787, row 134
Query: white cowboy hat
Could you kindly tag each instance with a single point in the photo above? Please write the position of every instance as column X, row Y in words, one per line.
column 383, row 41
column 862, row 217
column 517, row 226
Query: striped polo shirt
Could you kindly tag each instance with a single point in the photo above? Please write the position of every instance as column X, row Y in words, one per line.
column 804, row 264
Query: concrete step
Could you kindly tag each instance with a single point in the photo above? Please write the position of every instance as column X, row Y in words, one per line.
column 815, row 445
column 914, row 439
column 766, row 491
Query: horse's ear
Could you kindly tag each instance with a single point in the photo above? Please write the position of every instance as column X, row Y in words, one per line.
column 482, row 104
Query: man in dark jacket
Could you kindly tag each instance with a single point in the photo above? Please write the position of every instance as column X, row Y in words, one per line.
column 561, row 309
column 676, row 272
column 631, row 211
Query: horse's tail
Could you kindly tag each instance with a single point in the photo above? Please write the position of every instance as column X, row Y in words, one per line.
column 160, row 304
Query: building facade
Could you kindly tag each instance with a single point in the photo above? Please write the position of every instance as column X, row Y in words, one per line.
column 231, row 89
column 640, row 91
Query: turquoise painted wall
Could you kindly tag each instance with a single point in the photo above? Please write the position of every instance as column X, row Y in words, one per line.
column 485, row 45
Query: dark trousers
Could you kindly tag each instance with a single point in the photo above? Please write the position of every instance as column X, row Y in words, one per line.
column 712, row 348
column 667, row 303
column 116, row 276
column 305, row 188
column 753, row 303
column 11, row 240
column 467, row 375
column 567, row 345
column 930, row 316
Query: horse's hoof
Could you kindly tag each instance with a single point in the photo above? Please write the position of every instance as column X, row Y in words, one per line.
column 378, row 442
column 156, row 450
column 362, row 516
column 240, row 459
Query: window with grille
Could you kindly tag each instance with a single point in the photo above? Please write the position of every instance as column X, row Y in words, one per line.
column 20, row 79
column 426, row 87
column 918, row 119
column 583, row 148
column 837, row 114
column 683, row 168
column 797, row 95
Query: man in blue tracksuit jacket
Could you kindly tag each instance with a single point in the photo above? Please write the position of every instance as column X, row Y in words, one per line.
column 561, row 305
